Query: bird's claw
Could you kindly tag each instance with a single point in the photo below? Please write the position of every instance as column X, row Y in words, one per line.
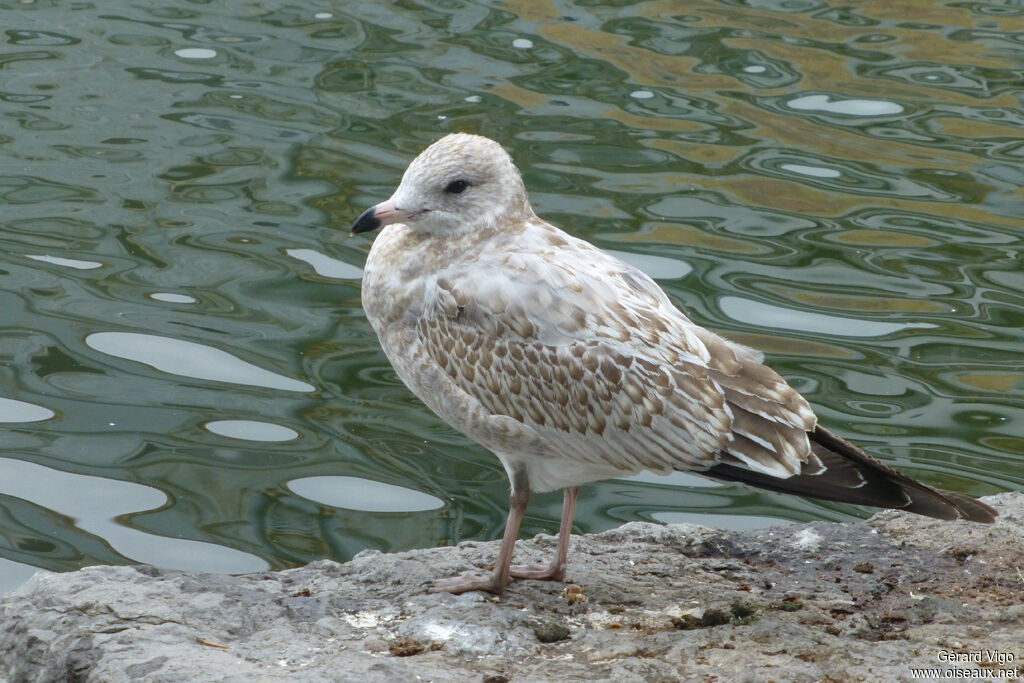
column 538, row 572
column 466, row 583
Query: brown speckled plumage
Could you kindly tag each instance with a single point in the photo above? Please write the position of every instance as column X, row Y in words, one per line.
column 572, row 366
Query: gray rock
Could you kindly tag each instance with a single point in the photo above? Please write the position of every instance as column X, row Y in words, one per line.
column 646, row 603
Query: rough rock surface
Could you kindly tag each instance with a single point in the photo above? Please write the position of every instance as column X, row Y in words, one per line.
column 811, row 602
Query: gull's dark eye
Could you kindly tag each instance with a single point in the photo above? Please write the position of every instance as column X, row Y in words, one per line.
column 456, row 186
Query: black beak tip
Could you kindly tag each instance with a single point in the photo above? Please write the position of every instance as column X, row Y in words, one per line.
column 367, row 222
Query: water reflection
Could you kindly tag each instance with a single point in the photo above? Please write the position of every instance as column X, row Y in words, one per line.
column 353, row 493
column 814, row 171
column 97, row 504
column 326, row 266
column 12, row 410
column 182, row 341
column 658, row 267
column 195, row 53
column 66, row 262
column 189, row 359
column 843, row 106
column 173, row 298
column 251, row 430
column 759, row 313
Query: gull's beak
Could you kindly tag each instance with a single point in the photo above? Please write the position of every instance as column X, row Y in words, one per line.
column 378, row 216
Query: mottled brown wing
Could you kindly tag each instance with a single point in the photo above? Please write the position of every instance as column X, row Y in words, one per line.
column 588, row 401
column 598, row 361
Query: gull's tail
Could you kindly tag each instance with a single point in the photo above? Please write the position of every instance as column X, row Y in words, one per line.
column 840, row 471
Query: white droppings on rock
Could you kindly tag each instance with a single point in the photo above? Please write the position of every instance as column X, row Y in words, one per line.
column 364, row 619
column 806, row 539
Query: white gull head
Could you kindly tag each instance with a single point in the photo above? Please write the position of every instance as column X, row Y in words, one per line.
column 462, row 183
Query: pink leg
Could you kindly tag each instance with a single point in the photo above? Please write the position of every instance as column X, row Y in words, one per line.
column 556, row 570
column 496, row 582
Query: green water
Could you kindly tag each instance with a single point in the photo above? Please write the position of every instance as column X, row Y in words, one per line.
column 840, row 186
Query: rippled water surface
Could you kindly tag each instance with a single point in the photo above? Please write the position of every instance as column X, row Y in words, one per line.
column 187, row 377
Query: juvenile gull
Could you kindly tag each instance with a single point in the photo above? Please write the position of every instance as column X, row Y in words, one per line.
column 572, row 366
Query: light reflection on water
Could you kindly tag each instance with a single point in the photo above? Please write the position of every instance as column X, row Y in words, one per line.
column 189, row 359
column 12, row 410
column 353, row 493
column 182, row 342
column 251, row 430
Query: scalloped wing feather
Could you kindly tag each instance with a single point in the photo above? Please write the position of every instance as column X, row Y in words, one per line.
column 588, row 353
